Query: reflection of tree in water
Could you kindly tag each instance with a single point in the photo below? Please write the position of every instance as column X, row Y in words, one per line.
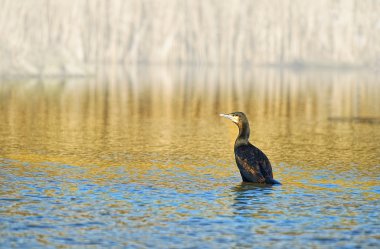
column 151, row 103
column 197, row 93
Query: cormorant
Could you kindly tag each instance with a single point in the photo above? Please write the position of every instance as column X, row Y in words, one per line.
column 253, row 164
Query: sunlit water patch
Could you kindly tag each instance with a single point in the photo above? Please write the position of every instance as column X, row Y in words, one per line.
column 146, row 162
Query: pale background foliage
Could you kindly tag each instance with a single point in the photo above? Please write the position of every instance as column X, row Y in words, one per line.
column 76, row 37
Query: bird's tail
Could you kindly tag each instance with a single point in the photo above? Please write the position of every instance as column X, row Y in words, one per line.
column 272, row 181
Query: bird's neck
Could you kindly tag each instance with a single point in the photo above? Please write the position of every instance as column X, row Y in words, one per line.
column 243, row 134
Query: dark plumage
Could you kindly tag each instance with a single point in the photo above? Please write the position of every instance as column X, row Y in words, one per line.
column 253, row 164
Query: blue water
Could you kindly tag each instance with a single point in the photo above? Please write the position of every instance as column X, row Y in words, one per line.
column 197, row 211
column 149, row 164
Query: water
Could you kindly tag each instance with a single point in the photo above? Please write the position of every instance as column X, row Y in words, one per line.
column 141, row 159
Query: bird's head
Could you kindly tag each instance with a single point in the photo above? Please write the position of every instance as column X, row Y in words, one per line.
column 238, row 118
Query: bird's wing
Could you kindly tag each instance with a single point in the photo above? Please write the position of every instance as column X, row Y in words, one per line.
column 249, row 164
column 253, row 161
column 265, row 166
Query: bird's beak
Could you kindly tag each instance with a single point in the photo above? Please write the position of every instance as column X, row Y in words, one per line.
column 232, row 118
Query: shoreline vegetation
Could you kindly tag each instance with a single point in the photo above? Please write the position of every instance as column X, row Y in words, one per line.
column 77, row 38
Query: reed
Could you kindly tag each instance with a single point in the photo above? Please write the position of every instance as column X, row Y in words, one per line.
column 78, row 37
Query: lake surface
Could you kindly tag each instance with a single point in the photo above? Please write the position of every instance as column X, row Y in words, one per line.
column 140, row 158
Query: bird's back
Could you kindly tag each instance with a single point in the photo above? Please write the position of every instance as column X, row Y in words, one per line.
column 253, row 164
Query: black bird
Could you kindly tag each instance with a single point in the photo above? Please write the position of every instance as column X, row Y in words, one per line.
column 253, row 164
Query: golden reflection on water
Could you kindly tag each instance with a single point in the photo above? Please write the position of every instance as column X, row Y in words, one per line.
column 156, row 119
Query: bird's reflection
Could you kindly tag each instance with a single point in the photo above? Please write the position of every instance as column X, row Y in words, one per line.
column 250, row 202
column 251, row 198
